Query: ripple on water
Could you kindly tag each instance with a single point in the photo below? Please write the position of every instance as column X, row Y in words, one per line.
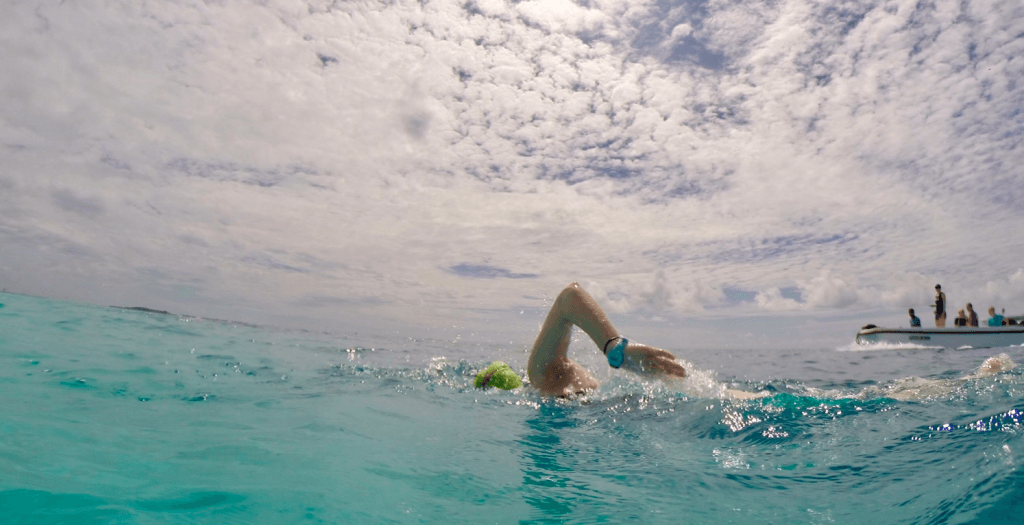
column 50, row 507
column 191, row 502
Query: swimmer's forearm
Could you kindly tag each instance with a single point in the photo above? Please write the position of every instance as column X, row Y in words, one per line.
column 647, row 360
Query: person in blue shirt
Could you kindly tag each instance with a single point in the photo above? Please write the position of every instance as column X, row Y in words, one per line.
column 915, row 321
column 994, row 319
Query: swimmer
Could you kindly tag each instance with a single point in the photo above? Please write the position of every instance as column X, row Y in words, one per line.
column 992, row 366
column 918, row 388
column 552, row 372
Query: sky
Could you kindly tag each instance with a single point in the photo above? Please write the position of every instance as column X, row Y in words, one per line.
column 716, row 173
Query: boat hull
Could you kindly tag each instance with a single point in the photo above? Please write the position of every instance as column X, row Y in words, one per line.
column 981, row 337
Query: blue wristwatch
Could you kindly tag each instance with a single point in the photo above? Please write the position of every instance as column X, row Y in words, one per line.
column 616, row 355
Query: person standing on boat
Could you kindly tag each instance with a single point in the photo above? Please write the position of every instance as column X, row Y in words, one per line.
column 972, row 316
column 940, row 307
column 915, row 321
column 961, row 319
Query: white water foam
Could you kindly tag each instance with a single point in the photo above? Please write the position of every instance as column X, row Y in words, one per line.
column 873, row 347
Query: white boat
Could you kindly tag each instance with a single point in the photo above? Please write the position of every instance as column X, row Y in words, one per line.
column 980, row 337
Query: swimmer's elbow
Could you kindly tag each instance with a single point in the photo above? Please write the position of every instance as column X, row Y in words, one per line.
column 571, row 290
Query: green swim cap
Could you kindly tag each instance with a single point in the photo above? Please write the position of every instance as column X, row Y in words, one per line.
column 498, row 375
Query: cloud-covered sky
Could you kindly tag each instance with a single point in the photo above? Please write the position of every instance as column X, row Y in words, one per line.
column 445, row 165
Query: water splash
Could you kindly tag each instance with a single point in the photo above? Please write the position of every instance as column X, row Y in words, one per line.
column 879, row 346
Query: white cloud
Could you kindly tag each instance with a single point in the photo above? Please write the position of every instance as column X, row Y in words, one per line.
column 909, row 290
column 561, row 15
column 830, row 291
column 771, row 299
column 1008, row 293
column 658, row 294
column 267, row 154
column 612, row 301
column 494, row 8
column 679, row 295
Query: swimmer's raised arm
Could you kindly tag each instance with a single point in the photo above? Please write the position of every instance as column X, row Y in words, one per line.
column 552, row 372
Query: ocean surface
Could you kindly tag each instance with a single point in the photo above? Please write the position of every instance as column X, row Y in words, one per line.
column 114, row 415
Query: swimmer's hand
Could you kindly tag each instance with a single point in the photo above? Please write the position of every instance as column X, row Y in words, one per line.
column 649, row 361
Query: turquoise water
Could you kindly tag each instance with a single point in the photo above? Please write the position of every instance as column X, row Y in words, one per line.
column 123, row 416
